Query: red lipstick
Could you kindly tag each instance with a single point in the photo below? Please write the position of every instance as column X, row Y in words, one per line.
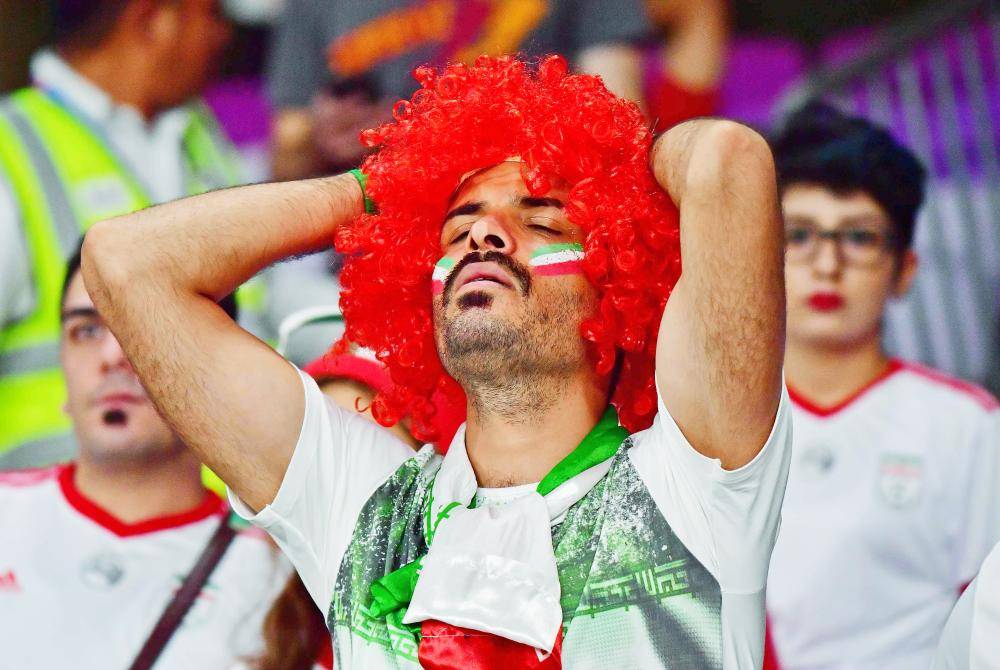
column 826, row 302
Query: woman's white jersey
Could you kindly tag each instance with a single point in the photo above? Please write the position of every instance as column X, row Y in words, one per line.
column 893, row 501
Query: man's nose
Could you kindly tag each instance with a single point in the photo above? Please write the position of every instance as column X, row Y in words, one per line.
column 490, row 234
column 112, row 356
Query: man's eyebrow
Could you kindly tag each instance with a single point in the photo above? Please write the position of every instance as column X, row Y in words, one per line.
column 81, row 312
column 467, row 208
column 530, row 202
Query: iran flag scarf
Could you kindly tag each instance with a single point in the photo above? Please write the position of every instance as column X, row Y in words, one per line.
column 486, row 594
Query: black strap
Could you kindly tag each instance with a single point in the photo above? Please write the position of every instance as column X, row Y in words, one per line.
column 178, row 608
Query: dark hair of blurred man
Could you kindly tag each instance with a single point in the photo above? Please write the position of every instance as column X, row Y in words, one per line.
column 892, row 500
column 151, row 54
column 111, row 124
column 97, row 548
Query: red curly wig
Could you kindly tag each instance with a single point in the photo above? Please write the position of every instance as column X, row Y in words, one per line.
column 465, row 118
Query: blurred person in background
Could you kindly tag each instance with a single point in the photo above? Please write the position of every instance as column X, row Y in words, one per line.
column 92, row 552
column 894, row 494
column 337, row 68
column 111, row 124
column 682, row 75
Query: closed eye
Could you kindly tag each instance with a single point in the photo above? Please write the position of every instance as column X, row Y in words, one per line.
column 544, row 225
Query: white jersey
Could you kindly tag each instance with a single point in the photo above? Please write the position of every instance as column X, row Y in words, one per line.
column 676, row 548
column 80, row 589
column 893, row 501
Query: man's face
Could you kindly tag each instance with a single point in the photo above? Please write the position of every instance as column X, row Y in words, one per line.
column 191, row 48
column 514, row 297
column 112, row 416
column 840, row 266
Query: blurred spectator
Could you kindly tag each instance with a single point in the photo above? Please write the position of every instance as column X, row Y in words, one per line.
column 893, row 498
column 337, row 68
column 682, row 75
column 92, row 552
column 110, row 125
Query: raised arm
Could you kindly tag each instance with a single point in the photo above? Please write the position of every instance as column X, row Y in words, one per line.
column 155, row 276
column 721, row 343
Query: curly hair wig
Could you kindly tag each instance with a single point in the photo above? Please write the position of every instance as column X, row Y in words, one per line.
column 468, row 117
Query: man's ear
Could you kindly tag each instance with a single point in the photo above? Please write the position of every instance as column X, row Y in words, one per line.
column 905, row 272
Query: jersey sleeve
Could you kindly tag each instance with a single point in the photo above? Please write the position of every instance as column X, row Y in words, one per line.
column 727, row 518
column 980, row 530
column 953, row 647
column 339, row 461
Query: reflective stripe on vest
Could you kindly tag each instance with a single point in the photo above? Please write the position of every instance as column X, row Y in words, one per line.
column 64, row 179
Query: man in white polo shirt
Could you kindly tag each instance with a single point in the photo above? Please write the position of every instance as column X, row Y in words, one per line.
column 894, row 494
column 92, row 552
column 520, row 245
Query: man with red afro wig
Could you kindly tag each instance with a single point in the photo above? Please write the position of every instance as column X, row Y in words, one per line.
column 513, row 245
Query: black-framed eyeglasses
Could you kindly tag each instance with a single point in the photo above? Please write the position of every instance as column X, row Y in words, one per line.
column 857, row 245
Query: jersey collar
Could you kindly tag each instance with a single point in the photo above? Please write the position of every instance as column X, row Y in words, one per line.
column 211, row 505
column 808, row 405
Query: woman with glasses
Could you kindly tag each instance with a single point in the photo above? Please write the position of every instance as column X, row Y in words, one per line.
column 893, row 496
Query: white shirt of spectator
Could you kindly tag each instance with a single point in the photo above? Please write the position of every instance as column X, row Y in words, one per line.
column 154, row 150
column 727, row 519
column 971, row 638
column 80, row 589
column 893, row 501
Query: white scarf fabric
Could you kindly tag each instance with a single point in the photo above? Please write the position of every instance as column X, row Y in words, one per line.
column 493, row 569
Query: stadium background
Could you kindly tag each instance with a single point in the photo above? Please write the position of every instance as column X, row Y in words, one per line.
column 927, row 70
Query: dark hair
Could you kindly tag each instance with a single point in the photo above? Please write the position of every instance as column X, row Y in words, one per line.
column 294, row 631
column 228, row 304
column 84, row 23
column 821, row 145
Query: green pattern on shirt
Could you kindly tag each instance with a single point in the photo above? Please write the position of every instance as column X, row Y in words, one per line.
column 633, row 596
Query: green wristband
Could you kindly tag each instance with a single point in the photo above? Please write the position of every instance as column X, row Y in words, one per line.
column 363, row 183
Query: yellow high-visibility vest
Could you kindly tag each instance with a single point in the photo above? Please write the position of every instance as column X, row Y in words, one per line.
column 65, row 177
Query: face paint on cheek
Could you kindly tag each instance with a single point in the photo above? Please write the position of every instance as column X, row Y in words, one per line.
column 558, row 259
column 442, row 269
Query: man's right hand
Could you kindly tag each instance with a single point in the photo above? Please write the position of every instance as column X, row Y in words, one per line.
column 155, row 276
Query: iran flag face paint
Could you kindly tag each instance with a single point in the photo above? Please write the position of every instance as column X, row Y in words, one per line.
column 558, row 259
column 441, row 272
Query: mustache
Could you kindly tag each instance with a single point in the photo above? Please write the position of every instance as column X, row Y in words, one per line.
column 517, row 271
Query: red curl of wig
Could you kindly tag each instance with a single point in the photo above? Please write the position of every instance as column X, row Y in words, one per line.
column 468, row 117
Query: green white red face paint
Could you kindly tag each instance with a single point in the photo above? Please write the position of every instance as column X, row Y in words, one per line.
column 558, row 259
column 548, row 261
column 441, row 271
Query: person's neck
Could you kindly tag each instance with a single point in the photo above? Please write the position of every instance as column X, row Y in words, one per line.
column 123, row 78
column 827, row 376
column 517, row 435
column 134, row 492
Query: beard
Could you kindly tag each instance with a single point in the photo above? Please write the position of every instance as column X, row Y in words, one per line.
column 484, row 351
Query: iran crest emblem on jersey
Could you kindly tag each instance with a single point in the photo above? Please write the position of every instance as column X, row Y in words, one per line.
column 900, row 480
